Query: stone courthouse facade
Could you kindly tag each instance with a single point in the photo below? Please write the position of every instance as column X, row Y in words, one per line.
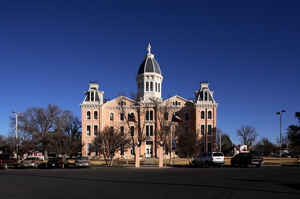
column 197, row 115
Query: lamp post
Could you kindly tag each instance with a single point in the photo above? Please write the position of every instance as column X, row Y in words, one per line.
column 280, row 114
column 17, row 144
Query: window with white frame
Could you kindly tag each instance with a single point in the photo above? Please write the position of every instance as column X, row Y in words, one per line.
column 209, row 115
column 147, row 86
column 88, row 130
column 202, row 115
column 111, row 116
column 95, row 115
column 88, row 115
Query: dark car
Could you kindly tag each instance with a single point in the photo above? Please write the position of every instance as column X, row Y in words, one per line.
column 7, row 160
column 54, row 162
column 246, row 160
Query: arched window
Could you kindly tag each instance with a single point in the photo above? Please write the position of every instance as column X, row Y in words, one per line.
column 209, row 115
column 88, row 115
column 111, row 116
column 202, row 115
column 92, row 96
column 147, row 86
column 95, row 115
column 166, row 116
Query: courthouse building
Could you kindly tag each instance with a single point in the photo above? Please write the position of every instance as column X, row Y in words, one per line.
column 197, row 114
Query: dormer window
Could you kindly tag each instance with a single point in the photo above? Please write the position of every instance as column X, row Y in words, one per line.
column 205, row 96
column 88, row 115
column 92, row 96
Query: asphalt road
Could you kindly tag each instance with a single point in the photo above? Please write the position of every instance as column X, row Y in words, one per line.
column 183, row 183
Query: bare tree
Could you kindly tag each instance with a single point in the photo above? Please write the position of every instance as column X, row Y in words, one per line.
column 247, row 135
column 109, row 142
column 38, row 125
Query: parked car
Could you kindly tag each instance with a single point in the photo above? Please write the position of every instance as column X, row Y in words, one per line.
column 246, row 160
column 33, row 162
column 53, row 162
column 7, row 160
column 82, row 162
column 209, row 159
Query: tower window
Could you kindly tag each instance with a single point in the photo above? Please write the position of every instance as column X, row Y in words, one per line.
column 202, row 129
column 209, row 115
column 147, row 86
column 202, row 115
column 92, row 96
column 88, row 115
column 158, row 87
column 151, row 86
column 205, row 96
column 155, row 86
column 88, row 130
column 95, row 130
column 95, row 115
column 209, row 129
column 111, row 116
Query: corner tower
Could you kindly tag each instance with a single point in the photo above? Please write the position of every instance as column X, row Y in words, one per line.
column 149, row 78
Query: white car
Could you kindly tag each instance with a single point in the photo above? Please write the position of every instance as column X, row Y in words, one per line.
column 209, row 159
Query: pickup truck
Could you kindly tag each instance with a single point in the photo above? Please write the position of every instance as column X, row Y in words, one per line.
column 6, row 161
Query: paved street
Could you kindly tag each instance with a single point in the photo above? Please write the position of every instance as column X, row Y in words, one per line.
column 266, row 182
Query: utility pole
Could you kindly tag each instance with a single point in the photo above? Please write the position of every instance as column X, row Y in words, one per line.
column 17, row 142
column 280, row 147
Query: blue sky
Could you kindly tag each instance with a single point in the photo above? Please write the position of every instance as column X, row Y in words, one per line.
column 247, row 50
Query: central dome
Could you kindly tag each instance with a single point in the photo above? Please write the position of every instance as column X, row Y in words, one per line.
column 149, row 64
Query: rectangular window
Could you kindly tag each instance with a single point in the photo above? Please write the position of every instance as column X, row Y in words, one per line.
column 202, row 129
column 151, row 86
column 155, row 86
column 95, row 115
column 88, row 130
column 89, row 147
column 151, row 115
column 122, row 116
column 111, row 116
column 147, row 115
column 147, row 130
column 187, row 116
column 158, row 87
column 209, row 129
column 147, row 86
column 151, row 130
column 132, row 130
column 95, row 130
column 122, row 130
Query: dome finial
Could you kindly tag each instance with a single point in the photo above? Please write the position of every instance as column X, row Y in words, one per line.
column 149, row 49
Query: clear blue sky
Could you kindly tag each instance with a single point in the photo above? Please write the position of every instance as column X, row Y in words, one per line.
column 247, row 50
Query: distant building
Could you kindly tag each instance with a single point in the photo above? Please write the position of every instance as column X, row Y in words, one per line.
column 198, row 115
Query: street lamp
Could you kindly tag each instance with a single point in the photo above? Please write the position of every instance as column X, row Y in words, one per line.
column 280, row 114
column 17, row 147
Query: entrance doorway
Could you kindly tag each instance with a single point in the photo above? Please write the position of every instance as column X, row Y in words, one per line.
column 148, row 149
